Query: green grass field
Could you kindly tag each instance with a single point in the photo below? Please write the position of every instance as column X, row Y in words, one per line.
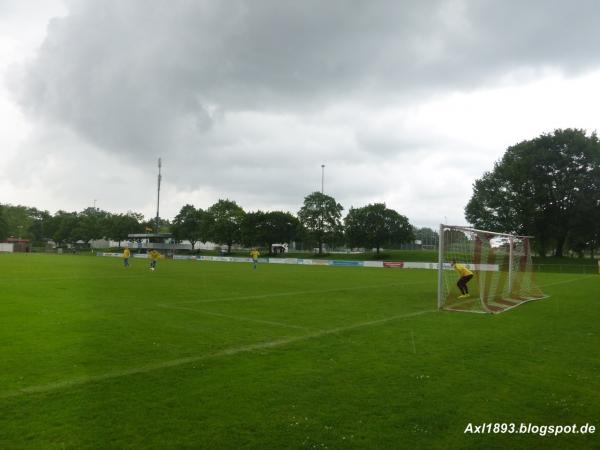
column 217, row 355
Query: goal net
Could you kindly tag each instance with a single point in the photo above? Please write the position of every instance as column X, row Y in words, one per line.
column 501, row 266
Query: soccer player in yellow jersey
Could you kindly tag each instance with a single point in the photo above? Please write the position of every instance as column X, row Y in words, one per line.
column 154, row 255
column 126, row 255
column 255, row 254
column 465, row 276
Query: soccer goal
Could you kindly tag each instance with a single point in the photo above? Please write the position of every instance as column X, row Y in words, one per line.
column 502, row 270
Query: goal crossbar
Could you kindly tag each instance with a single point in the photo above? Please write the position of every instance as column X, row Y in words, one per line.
column 495, row 233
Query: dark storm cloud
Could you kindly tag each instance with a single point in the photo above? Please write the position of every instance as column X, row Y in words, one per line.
column 131, row 76
column 246, row 99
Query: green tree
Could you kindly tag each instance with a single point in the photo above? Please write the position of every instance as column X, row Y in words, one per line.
column 18, row 220
column 225, row 219
column 120, row 226
column 39, row 228
column 374, row 225
column 149, row 225
column 585, row 234
column 542, row 187
column 280, row 227
column 260, row 228
column 63, row 227
column 427, row 236
column 253, row 230
column 321, row 217
column 3, row 224
column 92, row 224
column 191, row 224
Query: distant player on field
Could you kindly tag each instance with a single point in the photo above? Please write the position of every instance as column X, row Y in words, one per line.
column 126, row 255
column 153, row 255
column 255, row 254
column 465, row 276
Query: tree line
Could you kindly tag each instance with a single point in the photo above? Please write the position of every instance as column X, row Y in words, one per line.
column 318, row 223
column 65, row 227
column 547, row 187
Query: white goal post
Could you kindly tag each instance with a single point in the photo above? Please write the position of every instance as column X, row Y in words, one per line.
column 501, row 266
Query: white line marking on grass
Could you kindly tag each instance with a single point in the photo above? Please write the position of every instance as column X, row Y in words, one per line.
column 50, row 387
column 292, row 293
column 572, row 280
column 246, row 319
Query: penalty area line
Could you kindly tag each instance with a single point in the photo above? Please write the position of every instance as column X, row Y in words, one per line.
column 147, row 368
column 572, row 280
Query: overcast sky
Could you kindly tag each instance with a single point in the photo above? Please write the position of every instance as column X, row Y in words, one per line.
column 405, row 102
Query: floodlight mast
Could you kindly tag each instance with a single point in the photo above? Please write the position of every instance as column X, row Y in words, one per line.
column 158, row 198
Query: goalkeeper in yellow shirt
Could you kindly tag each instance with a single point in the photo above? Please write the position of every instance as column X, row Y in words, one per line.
column 465, row 276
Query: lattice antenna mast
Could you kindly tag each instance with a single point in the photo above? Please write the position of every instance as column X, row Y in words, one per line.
column 158, row 197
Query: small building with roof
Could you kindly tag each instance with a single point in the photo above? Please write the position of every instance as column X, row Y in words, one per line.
column 163, row 242
column 13, row 244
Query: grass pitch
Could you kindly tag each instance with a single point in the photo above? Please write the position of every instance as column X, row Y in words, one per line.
column 218, row 355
